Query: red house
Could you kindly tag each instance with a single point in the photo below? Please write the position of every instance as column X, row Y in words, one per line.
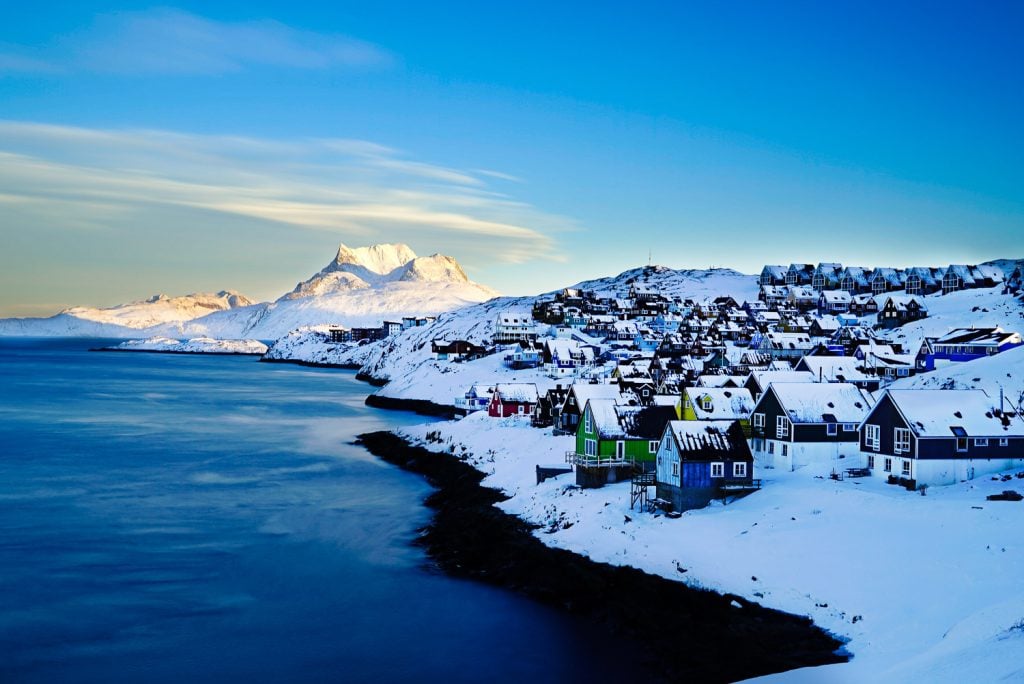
column 513, row 399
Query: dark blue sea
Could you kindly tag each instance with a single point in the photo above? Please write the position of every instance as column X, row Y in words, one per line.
column 168, row 518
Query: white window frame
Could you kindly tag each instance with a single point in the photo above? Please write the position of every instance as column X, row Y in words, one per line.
column 831, row 429
column 706, row 404
column 849, row 427
column 887, row 465
column 873, row 437
column 965, row 442
column 588, row 422
column 905, row 468
column 675, row 468
column 620, row 449
column 781, row 426
column 1003, row 441
column 652, row 446
column 718, row 469
column 590, row 447
column 759, row 420
column 739, row 469
column 901, row 441
column 981, row 441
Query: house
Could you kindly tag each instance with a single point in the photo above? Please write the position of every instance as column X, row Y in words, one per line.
column 785, row 345
column 834, row 302
column 885, row 279
column 391, row 328
column 802, row 297
column 826, row 276
column 513, row 399
column 864, row 304
column 612, row 440
column 838, row 369
column 721, row 380
column 900, row 309
column 958, row 277
column 698, row 461
column 576, row 399
column 514, row 326
column 566, row 358
column 476, row 398
column 759, row 381
column 796, row 424
column 717, row 403
column 456, row 350
column 855, row 279
column 940, row 436
column 825, row 326
column 337, row 334
column 549, row 405
column 773, row 275
column 967, row 344
column 922, row 280
column 524, row 355
column 773, row 295
column 799, row 274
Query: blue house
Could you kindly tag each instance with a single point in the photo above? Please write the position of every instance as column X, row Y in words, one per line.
column 967, row 344
column 700, row 460
column 934, row 436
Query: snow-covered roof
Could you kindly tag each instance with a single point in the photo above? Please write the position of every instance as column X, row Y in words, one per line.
column 822, row 402
column 976, row 336
column 836, row 297
column 765, row 378
column 708, row 440
column 585, row 391
column 935, row 412
column 727, row 403
column 834, row 368
column 781, row 340
column 519, row 392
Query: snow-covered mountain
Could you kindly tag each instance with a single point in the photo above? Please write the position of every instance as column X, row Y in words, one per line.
column 126, row 319
column 360, row 287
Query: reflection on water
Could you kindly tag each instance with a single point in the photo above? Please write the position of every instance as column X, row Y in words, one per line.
column 170, row 517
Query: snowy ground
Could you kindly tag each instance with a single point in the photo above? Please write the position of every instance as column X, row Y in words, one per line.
column 197, row 345
column 926, row 588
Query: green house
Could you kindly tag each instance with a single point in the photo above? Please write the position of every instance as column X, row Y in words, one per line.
column 613, row 439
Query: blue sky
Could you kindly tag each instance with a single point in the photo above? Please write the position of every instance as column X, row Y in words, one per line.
column 203, row 146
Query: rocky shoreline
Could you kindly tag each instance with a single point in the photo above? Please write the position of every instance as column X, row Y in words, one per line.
column 420, row 406
column 674, row 631
column 312, row 364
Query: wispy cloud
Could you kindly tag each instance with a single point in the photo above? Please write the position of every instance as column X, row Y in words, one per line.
column 80, row 177
column 171, row 41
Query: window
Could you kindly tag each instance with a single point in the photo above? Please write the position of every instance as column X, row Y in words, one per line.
column 717, row 470
column 906, row 468
column 620, row 449
column 831, row 429
column 901, row 441
column 781, row 426
column 872, row 437
column 739, row 469
column 590, row 447
column 849, row 427
column 771, row 447
column 1003, row 441
column 759, row 420
column 706, row 403
column 652, row 446
column 588, row 422
column 675, row 468
column 888, row 465
column 902, row 372
column 981, row 441
column 871, row 462
column 961, row 444
column 521, row 409
column 785, row 449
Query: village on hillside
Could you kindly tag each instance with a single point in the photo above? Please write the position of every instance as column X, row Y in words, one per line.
column 688, row 400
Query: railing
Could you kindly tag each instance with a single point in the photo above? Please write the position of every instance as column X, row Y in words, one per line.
column 588, row 461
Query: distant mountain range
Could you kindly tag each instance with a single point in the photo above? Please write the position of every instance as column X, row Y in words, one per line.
column 359, row 287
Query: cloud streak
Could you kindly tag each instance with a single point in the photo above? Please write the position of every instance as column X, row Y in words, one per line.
column 173, row 42
column 70, row 177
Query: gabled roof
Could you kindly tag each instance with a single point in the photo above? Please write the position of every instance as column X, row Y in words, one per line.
column 704, row 440
column 727, row 403
column 767, row 377
column 834, row 368
column 615, row 421
column 975, row 336
column 812, row 402
column 518, row 392
column 938, row 413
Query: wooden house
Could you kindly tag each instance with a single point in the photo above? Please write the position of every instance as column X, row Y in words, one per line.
column 922, row 280
column 838, row 369
column 759, row 381
column 799, row 274
column 797, row 424
column 456, row 350
column 576, row 399
column 938, row 437
column 855, row 279
column 967, row 344
column 513, row 399
column 476, row 398
column 884, row 279
column 698, row 461
column 612, row 440
column 826, row 276
column 717, row 403
column 900, row 309
column 773, row 275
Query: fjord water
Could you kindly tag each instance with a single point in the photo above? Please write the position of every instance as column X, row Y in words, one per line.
column 194, row 518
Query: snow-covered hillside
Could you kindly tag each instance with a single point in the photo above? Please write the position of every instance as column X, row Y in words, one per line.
column 981, row 308
column 198, row 345
column 698, row 285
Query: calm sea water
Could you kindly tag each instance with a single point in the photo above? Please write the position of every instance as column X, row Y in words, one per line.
column 188, row 518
